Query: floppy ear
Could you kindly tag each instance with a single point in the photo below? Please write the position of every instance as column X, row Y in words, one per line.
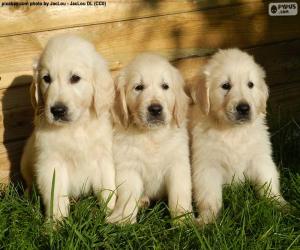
column 104, row 92
column 181, row 99
column 120, row 110
column 203, row 93
column 36, row 100
column 200, row 93
column 264, row 91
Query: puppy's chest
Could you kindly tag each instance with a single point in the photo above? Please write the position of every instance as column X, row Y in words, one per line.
column 234, row 150
column 76, row 147
column 149, row 153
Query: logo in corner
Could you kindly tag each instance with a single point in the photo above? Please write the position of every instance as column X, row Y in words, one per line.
column 283, row 9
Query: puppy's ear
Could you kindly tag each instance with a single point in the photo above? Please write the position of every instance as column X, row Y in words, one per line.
column 36, row 100
column 264, row 91
column 104, row 92
column 199, row 92
column 181, row 99
column 120, row 110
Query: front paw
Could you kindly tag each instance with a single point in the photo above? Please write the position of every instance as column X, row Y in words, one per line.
column 206, row 217
column 108, row 198
column 111, row 203
column 183, row 219
column 115, row 218
column 284, row 206
column 60, row 210
column 144, row 202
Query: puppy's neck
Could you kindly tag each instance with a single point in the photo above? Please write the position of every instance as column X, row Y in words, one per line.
column 211, row 122
column 136, row 129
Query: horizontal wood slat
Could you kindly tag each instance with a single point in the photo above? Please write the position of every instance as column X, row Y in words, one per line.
column 25, row 19
column 175, row 36
column 281, row 64
column 10, row 155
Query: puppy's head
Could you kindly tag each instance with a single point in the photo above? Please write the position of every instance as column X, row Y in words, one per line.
column 150, row 93
column 70, row 80
column 233, row 89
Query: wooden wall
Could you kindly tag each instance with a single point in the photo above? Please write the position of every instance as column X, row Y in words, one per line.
column 184, row 31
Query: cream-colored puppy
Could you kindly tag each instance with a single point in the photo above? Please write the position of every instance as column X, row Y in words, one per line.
column 150, row 139
column 230, row 139
column 72, row 93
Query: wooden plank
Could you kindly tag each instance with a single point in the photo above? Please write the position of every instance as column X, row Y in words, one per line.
column 281, row 62
column 174, row 36
column 285, row 98
column 27, row 19
column 16, row 124
column 10, row 156
column 282, row 65
column 14, row 98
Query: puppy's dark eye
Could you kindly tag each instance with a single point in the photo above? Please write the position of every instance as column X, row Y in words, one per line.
column 250, row 85
column 139, row 87
column 226, row 86
column 165, row 86
column 47, row 79
column 75, row 79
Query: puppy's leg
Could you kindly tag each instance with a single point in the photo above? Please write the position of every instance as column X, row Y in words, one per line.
column 27, row 174
column 207, row 184
column 179, row 188
column 263, row 172
column 27, row 165
column 129, row 191
column 104, row 183
column 60, row 195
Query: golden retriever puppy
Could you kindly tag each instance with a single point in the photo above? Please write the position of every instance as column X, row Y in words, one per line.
column 72, row 93
column 150, row 144
column 230, row 139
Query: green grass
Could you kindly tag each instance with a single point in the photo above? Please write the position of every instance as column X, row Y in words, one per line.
column 246, row 221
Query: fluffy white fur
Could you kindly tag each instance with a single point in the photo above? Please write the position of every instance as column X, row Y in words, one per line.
column 225, row 146
column 77, row 147
column 151, row 155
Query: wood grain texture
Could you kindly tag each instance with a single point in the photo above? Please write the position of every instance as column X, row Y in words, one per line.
column 174, row 36
column 25, row 19
column 281, row 65
column 10, row 155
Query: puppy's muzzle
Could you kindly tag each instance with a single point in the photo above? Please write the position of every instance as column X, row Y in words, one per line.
column 59, row 112
column 155, row 113
column 155, row 110
column 243, row 111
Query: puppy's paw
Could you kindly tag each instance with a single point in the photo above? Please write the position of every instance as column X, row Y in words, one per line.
column 205, row 218
column 144, row 202
column 183, row 220
column 181, row 217
column 111, row 204
column 108, row 198
column 284, row 206
column 120, row 219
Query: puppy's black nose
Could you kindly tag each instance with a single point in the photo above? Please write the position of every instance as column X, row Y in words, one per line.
column 155, row 109
column 243, row 108
column 59, row 110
